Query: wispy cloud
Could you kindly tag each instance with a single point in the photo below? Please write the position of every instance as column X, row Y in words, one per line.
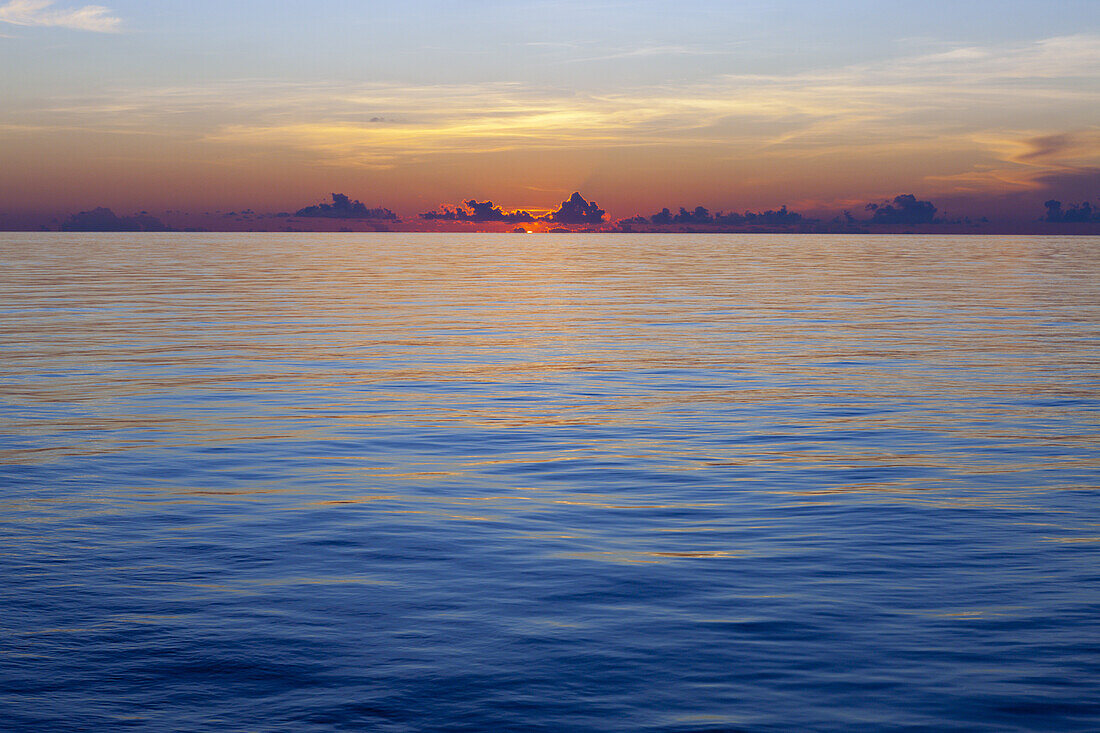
column 961, row 98
column 647, row 51
column 41, row 13
column 1028, row 162
column 994, row 117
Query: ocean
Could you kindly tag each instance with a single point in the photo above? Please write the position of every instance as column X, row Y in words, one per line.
column 675, row 483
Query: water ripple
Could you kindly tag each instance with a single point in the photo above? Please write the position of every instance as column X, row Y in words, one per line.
column 606, row 483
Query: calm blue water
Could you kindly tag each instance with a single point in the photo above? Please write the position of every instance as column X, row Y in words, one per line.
column 549, row 483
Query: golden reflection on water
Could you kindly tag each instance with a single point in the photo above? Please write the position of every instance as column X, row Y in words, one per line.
column 358, row 362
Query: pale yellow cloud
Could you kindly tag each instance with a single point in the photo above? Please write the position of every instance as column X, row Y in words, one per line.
column 969, row 119
column 949, row 98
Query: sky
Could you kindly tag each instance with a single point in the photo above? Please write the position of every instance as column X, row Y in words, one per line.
column 987, row 108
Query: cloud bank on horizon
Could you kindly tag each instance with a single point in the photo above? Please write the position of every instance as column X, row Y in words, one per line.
column 905, row 213
column 983, row 107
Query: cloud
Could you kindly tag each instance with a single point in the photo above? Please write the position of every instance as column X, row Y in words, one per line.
column 1047, row 146
column 970, row 120
column 343, row 207
column 780, row 219
column 1076, row 213
column 576, row 210
column 906, row 210
column 105, row 220
column 1025, row 162
column 479, row 211
column 926, row 101
column 647, row 51
column 39, row 13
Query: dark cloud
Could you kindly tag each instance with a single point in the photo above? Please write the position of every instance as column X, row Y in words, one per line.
column 662, row 217
column 577, row 211
column 779, row 219
column 1075, row 214
column 906, row 210
column 902, row 213
column 480, row 211
column 344, row 208
column 105, row 220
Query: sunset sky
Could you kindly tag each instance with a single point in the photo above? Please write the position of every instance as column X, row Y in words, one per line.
column 986, row 107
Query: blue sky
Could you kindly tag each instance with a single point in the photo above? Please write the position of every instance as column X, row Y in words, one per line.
column 519, row 40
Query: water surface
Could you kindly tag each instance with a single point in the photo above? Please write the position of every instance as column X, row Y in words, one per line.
column 288, row 482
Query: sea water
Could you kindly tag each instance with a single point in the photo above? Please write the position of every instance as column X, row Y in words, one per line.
column 395, row 482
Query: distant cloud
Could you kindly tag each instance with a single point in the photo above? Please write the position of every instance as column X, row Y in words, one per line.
column 479, row 211
column 780, row 219
column 1075, row 214
column 577, row 211
column 906, row 210
column 105, row 220
column 39, row 13
column 343, row 207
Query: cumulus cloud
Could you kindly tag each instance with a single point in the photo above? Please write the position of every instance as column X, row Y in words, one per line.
column 577, row 211
column 1074, row 214
column 780, row 219
column 105, row 220
column 342, row 207
column 478, row 211
column 906, row 210
column 574, row 210
column 40, row 13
